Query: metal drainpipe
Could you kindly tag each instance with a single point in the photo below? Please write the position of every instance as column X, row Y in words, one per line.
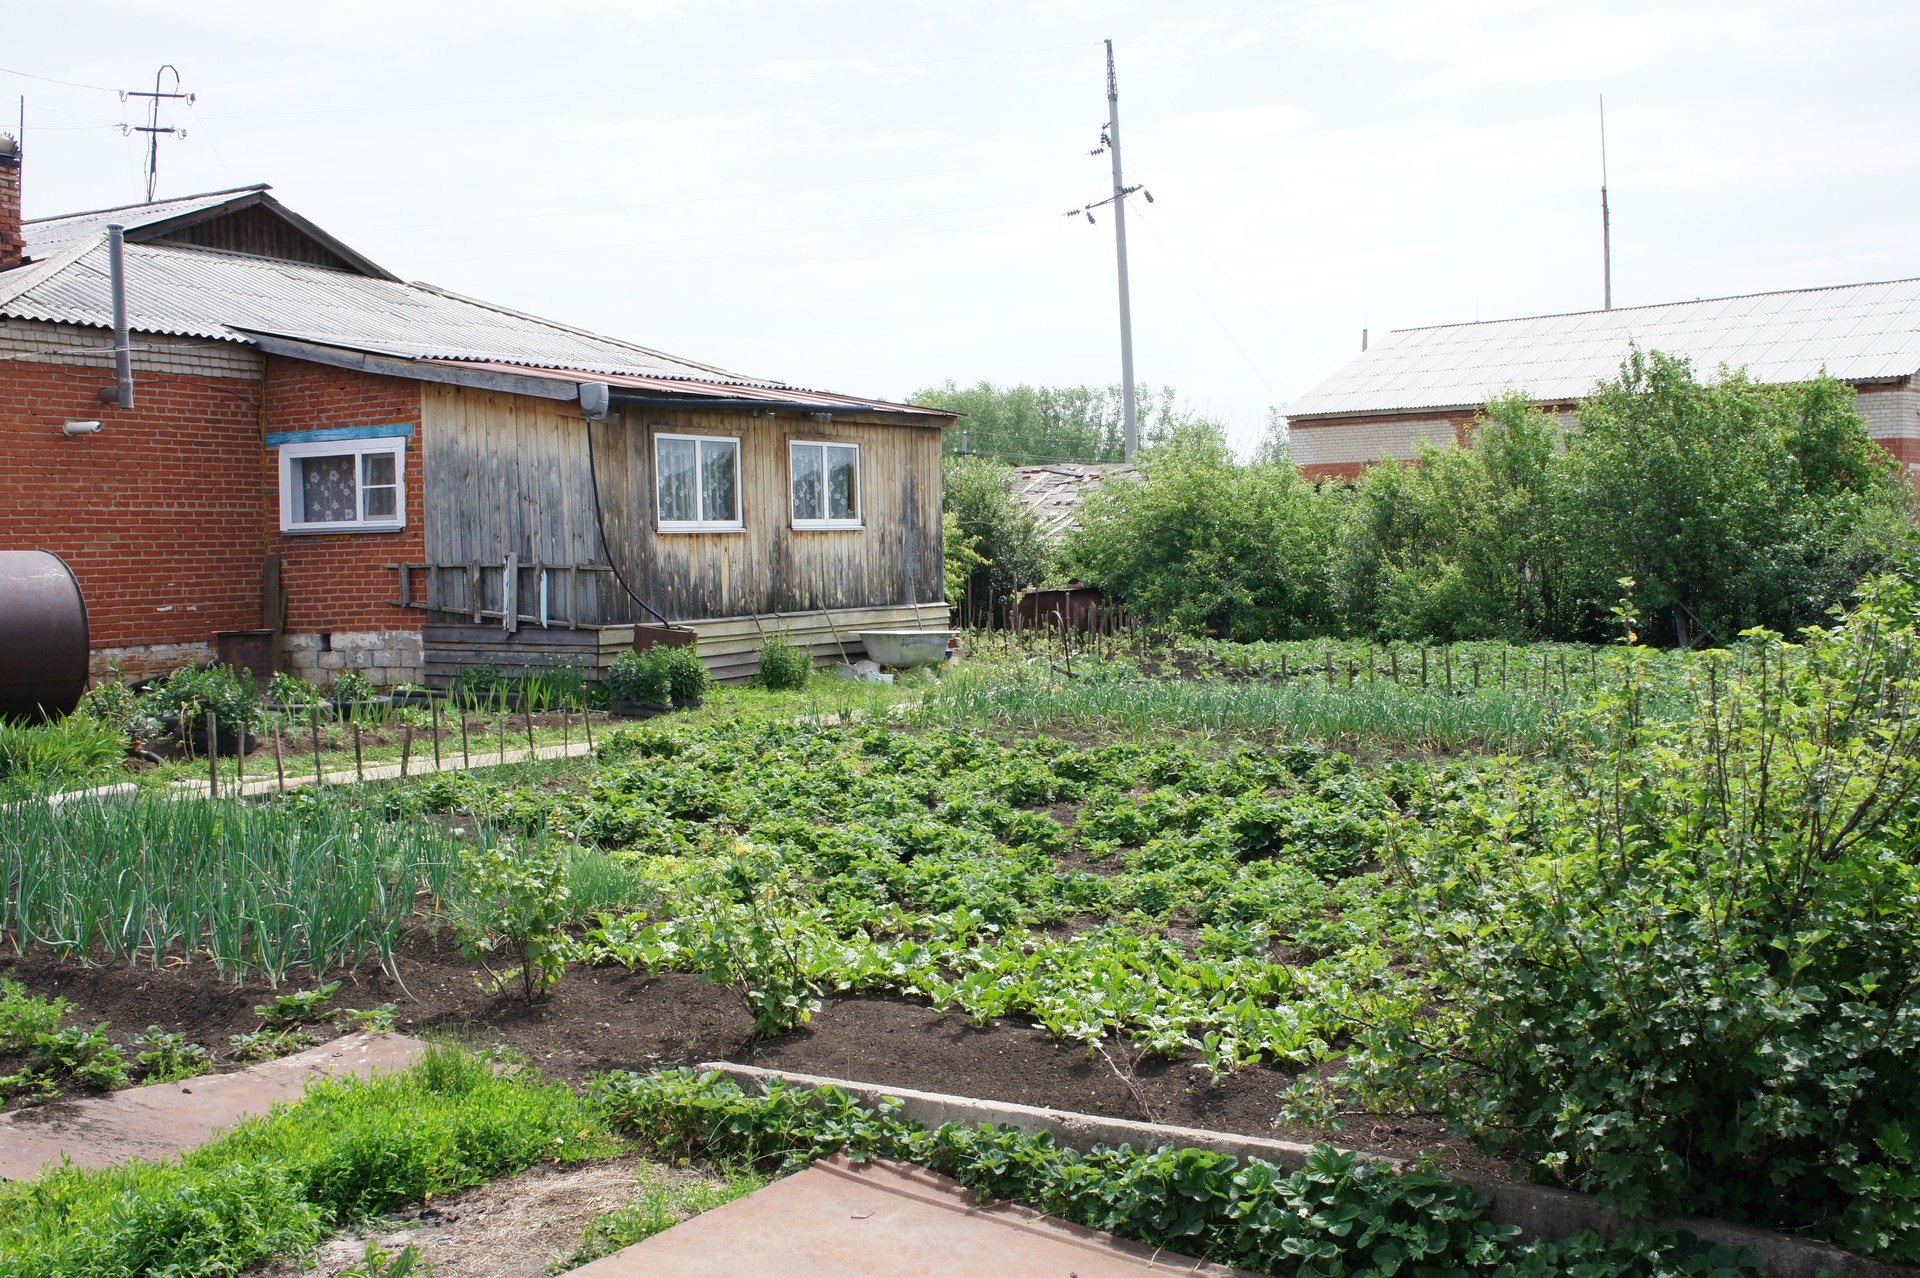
column 122, row 394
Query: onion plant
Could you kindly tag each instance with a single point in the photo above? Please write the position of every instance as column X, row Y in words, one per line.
column 259, row 891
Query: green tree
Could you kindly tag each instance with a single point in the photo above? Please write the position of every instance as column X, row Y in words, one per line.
column 1035, row 425
column 1242, row 551
column 1001, row 534
column 1459, row 545
column 1731, row 503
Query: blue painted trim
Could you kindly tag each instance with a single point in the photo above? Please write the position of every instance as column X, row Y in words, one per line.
column 399, row 430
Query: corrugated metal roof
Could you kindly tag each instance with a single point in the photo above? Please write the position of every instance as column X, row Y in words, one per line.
column 1857, row 332
column 188, row 291
column 44, row 234
column 207, row 293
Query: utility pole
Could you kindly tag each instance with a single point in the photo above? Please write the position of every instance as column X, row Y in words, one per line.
column 1131, row 433
column 152, row 127
column 1606, row 217
column 1110, row 141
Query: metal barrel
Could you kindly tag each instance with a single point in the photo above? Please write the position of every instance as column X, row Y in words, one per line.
column 43, row 636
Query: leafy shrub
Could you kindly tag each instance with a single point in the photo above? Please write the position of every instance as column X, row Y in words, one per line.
column 783, row 667
column 642, row 678
column 514, row 902
column 687, row 676
column 1337, row 1215
column 1682, row 974
column 113, row 702
column 191, row 694
column 350, row 686
column 292, row 692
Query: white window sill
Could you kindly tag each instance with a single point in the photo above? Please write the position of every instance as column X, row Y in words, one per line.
column 300, row 530
column 668, row 529
column 829, row 525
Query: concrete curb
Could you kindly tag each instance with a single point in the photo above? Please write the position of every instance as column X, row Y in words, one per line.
column 1540, row 1211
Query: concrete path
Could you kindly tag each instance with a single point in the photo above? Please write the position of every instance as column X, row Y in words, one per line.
column 878, row 1220
column 165, row 1119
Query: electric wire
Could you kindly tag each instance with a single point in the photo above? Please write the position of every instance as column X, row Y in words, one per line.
column 1208, row 307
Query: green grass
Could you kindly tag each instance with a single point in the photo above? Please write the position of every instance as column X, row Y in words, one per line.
column 75, row 751
column 260, row 890
column 348, row 1151
column 659, row 1204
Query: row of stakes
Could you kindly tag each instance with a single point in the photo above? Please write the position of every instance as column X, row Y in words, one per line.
column 359, row 763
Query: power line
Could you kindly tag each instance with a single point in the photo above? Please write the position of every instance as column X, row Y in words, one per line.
column 1224, row 330
column 47, row 79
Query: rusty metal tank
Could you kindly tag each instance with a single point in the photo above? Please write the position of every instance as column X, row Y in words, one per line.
column 43, row 636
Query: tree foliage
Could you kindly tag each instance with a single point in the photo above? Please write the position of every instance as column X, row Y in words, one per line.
column 1239, row 550
column 1729, row 502
column 1035, row 425
column 1004, row 548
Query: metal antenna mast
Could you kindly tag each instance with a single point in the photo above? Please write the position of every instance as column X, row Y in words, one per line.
column 1606, row 217
column 152, row 127
column 1110, row 141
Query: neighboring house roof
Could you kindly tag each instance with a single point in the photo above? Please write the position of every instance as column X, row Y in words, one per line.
column 1857, row 332
column 187, row 290
column 1054, row 493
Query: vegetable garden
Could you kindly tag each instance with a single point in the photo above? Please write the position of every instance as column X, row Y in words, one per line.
column 1631, row 922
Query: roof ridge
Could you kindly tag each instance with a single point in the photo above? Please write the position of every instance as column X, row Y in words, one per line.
column 147, row 204
column 598, row 337
column 32, row 274
column 1654, row 306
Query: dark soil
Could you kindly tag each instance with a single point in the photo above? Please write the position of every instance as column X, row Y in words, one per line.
column 608, row 1018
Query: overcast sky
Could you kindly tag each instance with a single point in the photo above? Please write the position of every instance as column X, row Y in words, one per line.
column 867, row 196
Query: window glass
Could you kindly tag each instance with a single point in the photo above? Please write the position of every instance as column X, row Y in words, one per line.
column 379, row 493
column 808, row 483
column 678, row 460
column 328, row 494
column 843, row 482
column 719, row 500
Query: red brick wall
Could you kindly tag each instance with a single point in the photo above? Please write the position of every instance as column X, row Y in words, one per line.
column 340, row 581
column 158, row 515
column 166, row 515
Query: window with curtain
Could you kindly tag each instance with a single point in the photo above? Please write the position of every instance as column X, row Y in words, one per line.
column 697, row 483
column 826, row 484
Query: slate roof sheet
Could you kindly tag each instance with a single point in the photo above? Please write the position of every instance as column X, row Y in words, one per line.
column 1857, row 332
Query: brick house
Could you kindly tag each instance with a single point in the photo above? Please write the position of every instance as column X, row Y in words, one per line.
column 394, row 478
column 1427, row 385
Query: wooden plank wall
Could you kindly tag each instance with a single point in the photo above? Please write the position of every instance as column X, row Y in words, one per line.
column 730, row 647
column 508, row 474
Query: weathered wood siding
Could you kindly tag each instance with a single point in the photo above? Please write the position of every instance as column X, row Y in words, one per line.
column 508, row 474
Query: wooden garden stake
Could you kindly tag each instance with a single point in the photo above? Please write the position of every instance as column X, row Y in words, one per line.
column 213, row 758
column 406, row 747
column 1393, row 658
column 1476, row 674
column 1423, row 668
column 566, row 743
column 359, row 765
column 501, row 705
column 279, row 761
column 239, row 758
column 1503, row 670
column 466, row 756
column 434, row 706
column 586, row 720
column 1446, row 656
column 526, row 716
column 313, row 720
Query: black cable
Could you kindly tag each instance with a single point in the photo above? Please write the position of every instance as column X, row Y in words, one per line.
column 599, row 522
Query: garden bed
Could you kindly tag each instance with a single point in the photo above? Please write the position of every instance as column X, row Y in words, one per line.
column 597, row 1019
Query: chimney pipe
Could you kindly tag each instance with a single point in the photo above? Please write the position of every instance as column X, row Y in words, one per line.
column 122, row 393
column 13, row 248
column 1363, row 339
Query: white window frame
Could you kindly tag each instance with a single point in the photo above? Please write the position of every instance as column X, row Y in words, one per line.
column 859, row 521
column 359, row 450
column 665, row 525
